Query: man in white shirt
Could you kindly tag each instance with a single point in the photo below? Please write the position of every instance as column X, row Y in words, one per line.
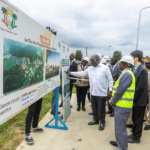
column 99, row 78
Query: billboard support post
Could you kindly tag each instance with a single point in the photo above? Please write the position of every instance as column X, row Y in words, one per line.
column 56, row 118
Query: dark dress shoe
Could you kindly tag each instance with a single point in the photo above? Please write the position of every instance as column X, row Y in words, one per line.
column 93, row 122
column 83, row 108
column 102, row 126
column 147, row 127
column 51, row 112
column 113, row 143
column 129, row 125
column 130, row 136
column 111, row 115
column 90, row 113
column 78, row 109
column 133, row 140
column 54, row 113
column 61, row 104
column 108, row 112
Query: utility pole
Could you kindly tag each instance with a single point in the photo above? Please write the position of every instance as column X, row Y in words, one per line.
column 86, row 51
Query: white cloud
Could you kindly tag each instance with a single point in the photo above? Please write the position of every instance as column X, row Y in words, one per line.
column 96, row 24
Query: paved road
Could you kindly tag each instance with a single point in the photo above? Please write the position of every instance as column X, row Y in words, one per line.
column 80, row 136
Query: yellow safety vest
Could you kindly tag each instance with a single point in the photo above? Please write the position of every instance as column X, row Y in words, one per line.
column 126, row 100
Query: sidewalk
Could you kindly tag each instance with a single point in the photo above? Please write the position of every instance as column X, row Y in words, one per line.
column 80, row 136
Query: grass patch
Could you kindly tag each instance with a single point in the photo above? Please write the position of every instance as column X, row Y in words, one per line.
column 12, row 132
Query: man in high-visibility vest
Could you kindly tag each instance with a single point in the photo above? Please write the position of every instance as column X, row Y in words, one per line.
column 122, row 100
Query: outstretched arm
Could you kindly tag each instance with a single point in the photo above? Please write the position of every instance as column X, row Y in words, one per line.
column 81, row 73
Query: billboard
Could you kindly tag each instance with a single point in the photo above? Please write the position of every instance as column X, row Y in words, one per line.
column 29, row 61
column 65, row 81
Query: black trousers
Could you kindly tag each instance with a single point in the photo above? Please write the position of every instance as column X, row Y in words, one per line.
column 138, row 116
column 98, row 107
column 81, row 94
column 89, row 96
column 71, row 87
column 110, row 108
column 33, row 113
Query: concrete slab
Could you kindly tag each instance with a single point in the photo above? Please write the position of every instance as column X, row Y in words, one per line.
column 80, row 135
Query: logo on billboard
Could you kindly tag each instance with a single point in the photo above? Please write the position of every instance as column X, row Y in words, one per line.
column 9, row 18
column 45, row 40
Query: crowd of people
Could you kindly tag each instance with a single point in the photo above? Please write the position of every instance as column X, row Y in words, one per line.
column 122, row 84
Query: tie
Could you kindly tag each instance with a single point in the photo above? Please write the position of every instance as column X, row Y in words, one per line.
column 83, row 68
column 70, row 63
column 134, row 69
column 112, row 69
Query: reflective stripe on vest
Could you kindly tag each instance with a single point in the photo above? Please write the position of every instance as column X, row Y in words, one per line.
column 126, row 100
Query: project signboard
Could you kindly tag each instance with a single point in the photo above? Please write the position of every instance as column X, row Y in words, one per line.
column 29, row 61
column 65, row 81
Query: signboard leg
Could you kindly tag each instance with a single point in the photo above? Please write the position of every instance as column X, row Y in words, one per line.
column 56, row 118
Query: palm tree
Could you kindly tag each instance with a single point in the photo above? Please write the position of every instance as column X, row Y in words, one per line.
column 4, row 10
column 14, row 18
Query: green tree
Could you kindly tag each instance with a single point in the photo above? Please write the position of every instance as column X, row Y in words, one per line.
column 78, row 55
column 4, row 10
column 117, row 54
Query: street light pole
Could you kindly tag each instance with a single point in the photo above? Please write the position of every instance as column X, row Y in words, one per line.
column 139, row 26
column 86, row 51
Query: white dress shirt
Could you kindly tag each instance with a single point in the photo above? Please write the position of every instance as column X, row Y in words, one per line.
column 99, row 78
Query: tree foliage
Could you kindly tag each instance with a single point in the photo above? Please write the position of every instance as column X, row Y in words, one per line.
column 78, row 55
column 15, row 77
column 117, row 54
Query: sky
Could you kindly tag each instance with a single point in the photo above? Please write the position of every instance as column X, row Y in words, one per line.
column 103, row 26
column 53, row 58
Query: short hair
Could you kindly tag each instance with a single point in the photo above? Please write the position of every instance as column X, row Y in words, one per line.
column 115, row 58
column 95, row 57
column 72, row 54
column 138, row 54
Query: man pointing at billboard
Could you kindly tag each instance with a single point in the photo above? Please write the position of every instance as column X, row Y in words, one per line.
column 99, row 75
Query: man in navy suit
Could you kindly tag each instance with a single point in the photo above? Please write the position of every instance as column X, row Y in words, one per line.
column 140, row 98
column 73, row 68
column 115, row 71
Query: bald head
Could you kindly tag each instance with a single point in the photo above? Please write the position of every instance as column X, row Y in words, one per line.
column 72, row 55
